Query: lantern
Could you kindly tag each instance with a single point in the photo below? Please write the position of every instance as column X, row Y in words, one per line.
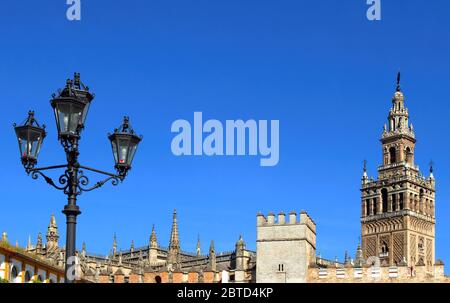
column 71, row 107
column 124, row 143
column 30, row 136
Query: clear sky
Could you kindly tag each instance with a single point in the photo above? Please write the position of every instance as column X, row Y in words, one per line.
column 318, row 66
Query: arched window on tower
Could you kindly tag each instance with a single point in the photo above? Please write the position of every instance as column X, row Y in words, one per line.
column 408, row 154
column 392, row 155
column 384, row 199
column 384, row 250
column 367, row 207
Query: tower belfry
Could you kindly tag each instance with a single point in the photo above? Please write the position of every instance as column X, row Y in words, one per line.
column 398, row 209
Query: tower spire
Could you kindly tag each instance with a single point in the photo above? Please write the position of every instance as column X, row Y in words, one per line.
column 29, row 244
column 398, row 82
column 52, row 237
column 212, row 256
column 114, row 250
column 153, row 239
column 174, row 245
column 174, row 239
column 198, row 246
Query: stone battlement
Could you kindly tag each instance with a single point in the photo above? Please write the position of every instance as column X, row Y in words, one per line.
column 402, row 274
column 281, row 219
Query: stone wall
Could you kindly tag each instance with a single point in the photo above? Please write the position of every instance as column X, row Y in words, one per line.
column 394, row 274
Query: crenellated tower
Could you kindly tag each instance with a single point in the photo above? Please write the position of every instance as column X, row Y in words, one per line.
column 398, row 209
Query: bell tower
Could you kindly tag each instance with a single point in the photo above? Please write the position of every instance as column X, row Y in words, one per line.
column 398, row 209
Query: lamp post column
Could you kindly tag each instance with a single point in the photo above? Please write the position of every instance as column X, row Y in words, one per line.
column 71, row 210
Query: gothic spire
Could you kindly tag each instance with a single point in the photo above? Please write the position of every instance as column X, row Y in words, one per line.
column 29, row 244
column 52, row 235
column 359, row 261
column 39, row 243
column 212, row 257
column 153, row 240
column 198, row 246
column 4, row 237
column 174, row 238
column 240, row 245
column 114, row 249
column 211, row 247
column 346, row 258
column 174, row 245
column 83, row 249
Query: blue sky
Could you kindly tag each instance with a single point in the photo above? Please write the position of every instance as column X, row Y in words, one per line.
column 320, row 67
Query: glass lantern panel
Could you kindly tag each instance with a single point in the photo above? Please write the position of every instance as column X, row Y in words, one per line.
column 22, row 136
column 62, row 111
column 69, row 116
column 132, row 151
column 75, row 117
column 35, row 139
column 114, row 149
column 84, row 114
column 123, row 150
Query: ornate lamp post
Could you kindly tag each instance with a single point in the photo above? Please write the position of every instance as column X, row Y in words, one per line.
column 71, row 106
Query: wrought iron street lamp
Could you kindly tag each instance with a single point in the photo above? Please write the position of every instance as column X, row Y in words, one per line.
column 71, row 106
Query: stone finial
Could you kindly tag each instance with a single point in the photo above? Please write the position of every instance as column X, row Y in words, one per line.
column 212, row 257
column 114, row 248
column 359, row 261
column 39, row 245
column 365, row 177
column 153, row 239
column 281, row 218
column 347, row 259
column 120, row 259
column 198, row 248
column 5, row 237
column 83, row 250
column 29, row 244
